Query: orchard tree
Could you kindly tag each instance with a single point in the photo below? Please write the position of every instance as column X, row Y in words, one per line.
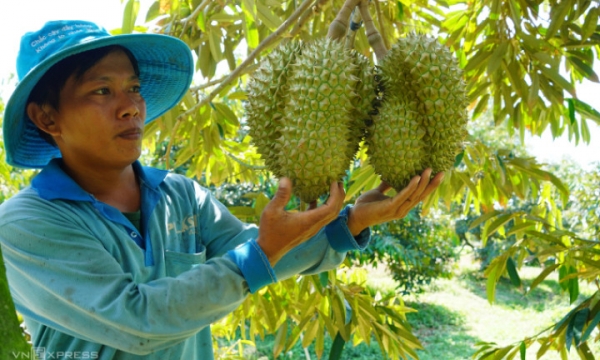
column 522, row 62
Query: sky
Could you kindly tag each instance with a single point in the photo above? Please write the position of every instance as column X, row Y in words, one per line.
column 27, row 15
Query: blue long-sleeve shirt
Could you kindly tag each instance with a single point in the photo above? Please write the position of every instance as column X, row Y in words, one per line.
column 87, row 281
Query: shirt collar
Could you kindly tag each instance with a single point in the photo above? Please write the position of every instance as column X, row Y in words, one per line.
column 53, row 183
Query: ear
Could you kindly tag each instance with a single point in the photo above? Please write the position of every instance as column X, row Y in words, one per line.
column 42, row 118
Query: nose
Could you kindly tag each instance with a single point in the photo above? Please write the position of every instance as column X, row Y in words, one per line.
column 131, row 105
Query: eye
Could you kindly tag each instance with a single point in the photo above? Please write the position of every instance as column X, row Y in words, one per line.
column 136, row 88
column 102, row 91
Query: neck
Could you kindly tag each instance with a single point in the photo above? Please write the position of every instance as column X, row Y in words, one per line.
column 118, row 187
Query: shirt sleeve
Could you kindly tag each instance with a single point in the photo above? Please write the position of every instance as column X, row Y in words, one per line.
column 227, row 234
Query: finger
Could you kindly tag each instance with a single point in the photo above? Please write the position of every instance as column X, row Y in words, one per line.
column 336, row 194
column 406, row 193
column 423, row 183
column 433, row 184
column 384, row 187
column 324, row 214
column 283, row 194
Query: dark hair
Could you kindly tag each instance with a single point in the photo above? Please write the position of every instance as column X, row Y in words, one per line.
column 47, row 90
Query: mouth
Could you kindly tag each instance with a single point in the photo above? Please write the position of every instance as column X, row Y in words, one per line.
column 134, row 133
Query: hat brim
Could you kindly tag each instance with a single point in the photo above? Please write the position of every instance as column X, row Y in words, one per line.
column 166, row 71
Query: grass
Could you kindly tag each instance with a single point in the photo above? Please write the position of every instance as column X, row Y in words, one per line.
column 454, row 314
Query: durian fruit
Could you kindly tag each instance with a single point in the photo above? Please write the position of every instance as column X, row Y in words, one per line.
column 424, row 94
column 265, row 91
column 306, row 109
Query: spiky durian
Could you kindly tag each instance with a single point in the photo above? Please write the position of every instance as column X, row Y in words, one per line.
column 265, row 91
column 423, row 77
column 306, row 113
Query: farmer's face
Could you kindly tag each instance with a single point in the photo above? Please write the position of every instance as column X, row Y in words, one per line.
column 101, row 115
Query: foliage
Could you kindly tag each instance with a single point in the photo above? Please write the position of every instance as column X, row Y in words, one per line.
column 561, row 244
column 416, row 249
column 333, row 303
column 522, row 60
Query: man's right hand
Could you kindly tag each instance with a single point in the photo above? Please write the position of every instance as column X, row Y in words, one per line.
column 279, row 230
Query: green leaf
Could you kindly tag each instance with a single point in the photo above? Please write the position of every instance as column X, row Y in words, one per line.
column 579, row 321
column 227, row 113
column 129, row 16
column 465, row 179
column 459, row 157
column 554, row 76
column 280, row 339
column 520, row 227
column 359, row 179
column 571, row 111
column 337, row 347
column 491, row 284
column 583, row 68
column 483, row 218
column 512, row 272
column 310, row 333
column 573, row 284
column 153, row 11
column 542, row 276
column 522, row 350
column 558, row 14
column 500, row 221
column 590, row 24
column 324, row 278
column 586, row 111
column 584, row 352
column 496, row 58
column 478, row 60
column 591, row 326
column 215, row 43
column 267, row 17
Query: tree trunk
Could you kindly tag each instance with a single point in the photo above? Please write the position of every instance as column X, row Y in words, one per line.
column 13, row 341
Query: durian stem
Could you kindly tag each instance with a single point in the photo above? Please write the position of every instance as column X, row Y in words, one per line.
column 355, row 24
column 249, row 61
column 339, row 25
column 381, row 26
column 374, row 37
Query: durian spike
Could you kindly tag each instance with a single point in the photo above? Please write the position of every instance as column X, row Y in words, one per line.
column 339, row 25
column 355, row 25
column 373, row 35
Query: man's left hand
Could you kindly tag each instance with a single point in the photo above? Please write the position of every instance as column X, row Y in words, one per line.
column 374, row 207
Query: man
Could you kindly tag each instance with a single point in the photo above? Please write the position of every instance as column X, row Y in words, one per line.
column 109, row 259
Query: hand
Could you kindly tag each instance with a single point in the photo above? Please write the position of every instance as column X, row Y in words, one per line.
column 373, row 207
column 279, row 231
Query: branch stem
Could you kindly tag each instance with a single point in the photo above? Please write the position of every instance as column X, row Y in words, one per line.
column 339, row 25
column 374, row 37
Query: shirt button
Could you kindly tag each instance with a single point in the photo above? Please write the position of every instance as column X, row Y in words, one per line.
column 133, row 234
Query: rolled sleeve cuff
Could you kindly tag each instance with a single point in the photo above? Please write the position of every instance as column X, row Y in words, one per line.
column 254, row 265
column 341, row 239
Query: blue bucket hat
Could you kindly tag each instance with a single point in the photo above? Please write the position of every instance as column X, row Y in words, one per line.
column 165, row 64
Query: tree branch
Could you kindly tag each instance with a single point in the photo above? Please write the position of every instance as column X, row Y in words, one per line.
column 380, row 21
column 315, row 9
column 374, row 37
column 250, row 59
column 339, row 25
